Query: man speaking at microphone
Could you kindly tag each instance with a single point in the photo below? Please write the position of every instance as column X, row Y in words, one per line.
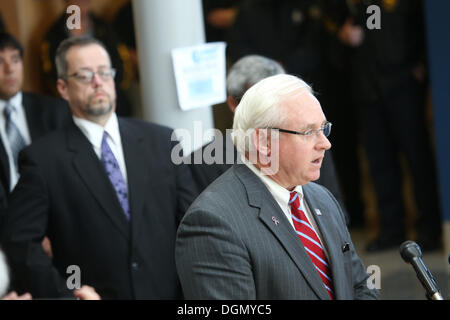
column 263, row 230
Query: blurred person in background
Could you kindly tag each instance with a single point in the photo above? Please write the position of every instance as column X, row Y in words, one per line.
column 340, row 107
column 288, row 32
column 389, row 82
column 219, row 16
column 94, row 26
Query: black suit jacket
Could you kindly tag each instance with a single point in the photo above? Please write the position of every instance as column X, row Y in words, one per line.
column 44, row 114
column 64, row 192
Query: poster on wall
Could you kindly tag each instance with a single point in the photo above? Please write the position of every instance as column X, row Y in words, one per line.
column 200, row 75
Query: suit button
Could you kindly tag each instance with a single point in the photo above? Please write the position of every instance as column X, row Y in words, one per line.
column 135, row 266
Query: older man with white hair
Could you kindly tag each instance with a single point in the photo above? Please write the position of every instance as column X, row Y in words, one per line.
column 263, row 230
column 242, row 75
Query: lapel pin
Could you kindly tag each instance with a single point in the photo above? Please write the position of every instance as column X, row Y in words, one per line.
column 318, row 212
column 346, row 247
column 275, row 220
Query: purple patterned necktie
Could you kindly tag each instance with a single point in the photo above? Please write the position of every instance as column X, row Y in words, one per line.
column 115, row 176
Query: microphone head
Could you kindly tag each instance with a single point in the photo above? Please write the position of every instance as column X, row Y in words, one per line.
column 409, row 250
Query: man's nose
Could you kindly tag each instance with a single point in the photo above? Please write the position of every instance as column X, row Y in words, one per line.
column 323, row 142
column 8, row 67
column 96, row 80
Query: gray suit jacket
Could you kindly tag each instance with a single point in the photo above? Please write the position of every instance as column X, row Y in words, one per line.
column 229, row 246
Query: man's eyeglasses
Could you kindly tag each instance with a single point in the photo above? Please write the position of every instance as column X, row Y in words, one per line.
column 86, row 76
column 325, row 129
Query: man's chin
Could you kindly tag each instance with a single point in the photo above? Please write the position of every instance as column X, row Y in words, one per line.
column 8, row 94
column 99, row 110
column 315, row 177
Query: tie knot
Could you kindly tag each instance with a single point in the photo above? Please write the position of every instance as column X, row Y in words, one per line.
column 294, row 199
column 105, row 138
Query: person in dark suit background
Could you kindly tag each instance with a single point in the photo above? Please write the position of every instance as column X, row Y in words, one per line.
column 289, row 32
column 94, row 26
column 23, row 115
column 263, row 230
column 219, row 17
column 389, row 82
column 335, row 98
column 247, row 71
column 104, row 190
column 33, row 115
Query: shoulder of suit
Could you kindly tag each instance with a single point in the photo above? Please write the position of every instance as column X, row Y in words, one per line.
column 49, row 144
column 317, row 189
column 227, row 183
column 323, row 196
column 43, row 103
column 145, row 125
column 43, row 98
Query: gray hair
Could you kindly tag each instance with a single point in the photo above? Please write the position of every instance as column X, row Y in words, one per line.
column 260, row 107
column 249, row 70
column 78, row 41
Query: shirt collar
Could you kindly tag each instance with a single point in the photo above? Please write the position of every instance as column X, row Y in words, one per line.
column 94, row 132
column 15, row 101
column 281, row 194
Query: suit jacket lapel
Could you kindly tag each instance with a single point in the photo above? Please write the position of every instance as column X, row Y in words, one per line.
column 5, row 177
column 91, row 171
column 330, row 237
column 137, row 164
column 260, row 197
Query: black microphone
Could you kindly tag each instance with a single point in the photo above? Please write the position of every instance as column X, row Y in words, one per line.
column 411, row 253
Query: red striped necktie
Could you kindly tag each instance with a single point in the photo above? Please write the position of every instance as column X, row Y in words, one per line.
column 311, row 242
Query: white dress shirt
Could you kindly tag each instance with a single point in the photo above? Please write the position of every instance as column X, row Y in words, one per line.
column 19, row 118
column 94, row 133
column 282, row 197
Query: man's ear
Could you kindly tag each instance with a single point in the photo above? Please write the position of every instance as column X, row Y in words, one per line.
column 232, row 103
column 61, row 85
column 261, row 141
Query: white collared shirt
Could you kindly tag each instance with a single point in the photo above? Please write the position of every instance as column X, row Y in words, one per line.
column 94, row 133
column 282, row 197
column 19, row 118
